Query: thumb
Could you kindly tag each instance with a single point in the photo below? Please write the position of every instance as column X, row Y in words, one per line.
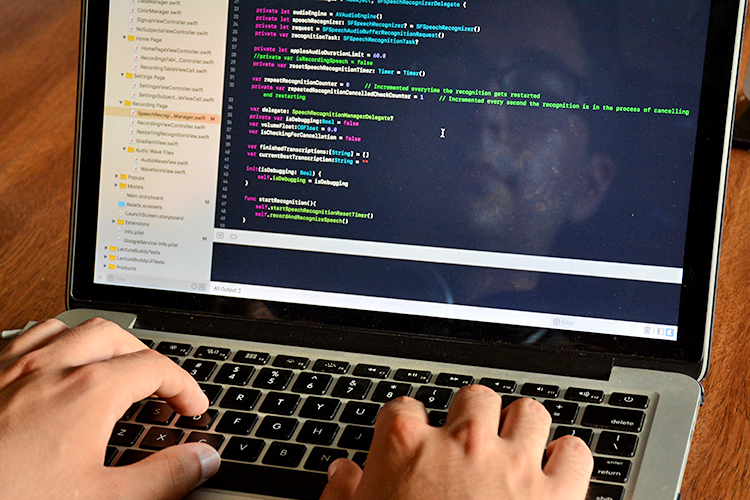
column 343, row 480
column 169, row 474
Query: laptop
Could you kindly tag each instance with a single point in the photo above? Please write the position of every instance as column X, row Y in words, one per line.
column 315, row 207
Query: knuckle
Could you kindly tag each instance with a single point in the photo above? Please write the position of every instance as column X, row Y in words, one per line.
column 534, row 408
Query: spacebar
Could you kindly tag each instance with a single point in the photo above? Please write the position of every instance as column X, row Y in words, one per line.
column 270, row 481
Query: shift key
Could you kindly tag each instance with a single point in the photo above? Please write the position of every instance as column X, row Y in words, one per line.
column 613, row 418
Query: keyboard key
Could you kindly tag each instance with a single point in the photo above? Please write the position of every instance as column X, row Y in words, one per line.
column 109, row 455
column 276, row 428
column 214, row 440
column 243, row 449
column 601, row 491
column 615, row 419
column 284, row 454
column 360, row 458
column 155, row 412
column 273, row 379
column 611, row 469
column 562, row 412
column 280, row 403
column 416, row 376
column 584, row 395
column 585, row 434
column 321, row 458
column 615, row 443
column 148, row 343
column 161, row 437
column 131, row 411
column 319, row 408
column 438, row 418
column 312, row 383
column 628, row 400
column 371, row 371
column 198, row 369
column 125, row 434
column 452, row 380
column 251, row 358
column 238, row 398
column 356, row 438
column 328, row 366
column 499, row 385
column 351, row 388
column 132, row 456
column 234, row 374
column 322, row 433
column 540, row 390
column 386, row 391
column 508, row 400
column 293, row 362
column 437, row 398
column 174, row 349
column 360, row 413
column 234, row 422
column 213, row 353
column 212, row 392
column 198, row 422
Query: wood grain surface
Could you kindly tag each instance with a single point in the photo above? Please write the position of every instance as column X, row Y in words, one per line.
column 39, row 50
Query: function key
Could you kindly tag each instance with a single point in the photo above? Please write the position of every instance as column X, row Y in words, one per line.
column 234, row 374
column 214, row 353
column 613, row 418
column 499, row 385
column 452, row 380
column 293, row 362
column 148, row 343
column 371, row 371
column 174, row 349
column 252, row 358
column 540, row 390
column 584, row 395
column 417, row 376
column 328, row 366
column 628, row 400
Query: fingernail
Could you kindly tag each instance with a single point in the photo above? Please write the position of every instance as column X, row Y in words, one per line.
column 332, row 470
column 210, row 461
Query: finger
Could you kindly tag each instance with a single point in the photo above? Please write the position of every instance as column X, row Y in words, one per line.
column 34, row 338
column 92, row 341
column 569, row 465
column 526, row 425
column 141, row 374
column 401, row 425
column 478, row 405
column 167, row 475
column 343, row 480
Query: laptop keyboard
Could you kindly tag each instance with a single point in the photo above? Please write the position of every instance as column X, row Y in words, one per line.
column 285, row 418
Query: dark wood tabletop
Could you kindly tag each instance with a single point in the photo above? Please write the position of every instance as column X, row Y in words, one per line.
column 39, row 50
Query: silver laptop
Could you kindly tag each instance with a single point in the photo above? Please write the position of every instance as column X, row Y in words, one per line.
column 315, row 207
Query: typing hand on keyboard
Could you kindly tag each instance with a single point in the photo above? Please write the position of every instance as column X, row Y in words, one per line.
column 61, row 392
column 466, row 458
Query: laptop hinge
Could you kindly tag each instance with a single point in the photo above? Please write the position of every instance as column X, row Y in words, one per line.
column 491, row 354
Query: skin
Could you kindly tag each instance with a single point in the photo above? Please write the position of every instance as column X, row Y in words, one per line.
column 62, row 390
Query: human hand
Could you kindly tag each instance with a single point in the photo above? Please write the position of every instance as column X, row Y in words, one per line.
column 466, row 458
column 61, row 392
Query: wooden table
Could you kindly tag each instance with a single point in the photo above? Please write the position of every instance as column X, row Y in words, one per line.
column 39, row 50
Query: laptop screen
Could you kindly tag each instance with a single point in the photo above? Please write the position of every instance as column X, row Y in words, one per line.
column 519, row 163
